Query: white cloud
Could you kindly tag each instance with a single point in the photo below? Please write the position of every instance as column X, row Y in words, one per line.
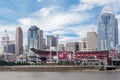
column 40, row 0
column 69, row 39
column 25, row 21
column 85, row 5
column 95, row 2
column 57, row 22
column 6, row 11
column 82, row 7
column 80, row 30
column 51, row 19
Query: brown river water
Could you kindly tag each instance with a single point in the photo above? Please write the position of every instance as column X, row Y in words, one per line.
column 93, row 75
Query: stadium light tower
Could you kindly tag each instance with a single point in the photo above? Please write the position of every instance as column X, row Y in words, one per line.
column 57, row 36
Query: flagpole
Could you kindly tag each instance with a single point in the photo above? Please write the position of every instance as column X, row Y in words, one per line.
column 50, row 51
column 57, row 47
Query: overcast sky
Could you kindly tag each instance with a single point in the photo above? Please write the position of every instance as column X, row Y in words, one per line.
column 71, row 19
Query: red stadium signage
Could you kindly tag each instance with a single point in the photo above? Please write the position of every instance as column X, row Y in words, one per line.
column 64, row 56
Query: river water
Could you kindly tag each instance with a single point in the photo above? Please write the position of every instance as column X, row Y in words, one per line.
column 109, row 75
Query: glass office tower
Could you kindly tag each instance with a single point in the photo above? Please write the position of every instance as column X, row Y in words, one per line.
column 107, row 30
column 35, row 38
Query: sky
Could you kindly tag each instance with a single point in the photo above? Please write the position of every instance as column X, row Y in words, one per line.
column 71, row 19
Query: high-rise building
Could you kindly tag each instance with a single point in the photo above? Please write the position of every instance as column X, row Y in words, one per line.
column 91, row 41
column 60, row 47
column 72, row 46
column 10, row 48
column 83, row 44
column 35, row 38
column 4, row 41
column 41, row 44
column 51, row 41
column 107, row 30
column 44, row 44
column 5, row 38
column 19, row 41
column 6, row 45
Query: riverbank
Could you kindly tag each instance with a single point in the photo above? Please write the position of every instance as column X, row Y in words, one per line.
column 47, row 68
column 50, row 68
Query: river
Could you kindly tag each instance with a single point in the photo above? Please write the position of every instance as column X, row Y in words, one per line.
column 109, row 75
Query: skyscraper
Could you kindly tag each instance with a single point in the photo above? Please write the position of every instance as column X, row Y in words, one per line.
column 72, row 46
column 107, row 30
column 41, row 44
column 51, row 41
column 19, row 41
column 91, row 40
column 83, row 44
column 35, row 38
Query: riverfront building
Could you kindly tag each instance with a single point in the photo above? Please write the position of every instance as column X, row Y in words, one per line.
column 107, row 30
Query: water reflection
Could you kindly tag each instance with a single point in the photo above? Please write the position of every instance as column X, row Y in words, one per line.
column 60, row 75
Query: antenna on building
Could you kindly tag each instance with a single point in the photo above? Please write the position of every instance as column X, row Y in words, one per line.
column 92, row 29
column 5, row 30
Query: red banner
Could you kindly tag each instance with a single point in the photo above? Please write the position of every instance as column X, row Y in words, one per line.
column 64, row 56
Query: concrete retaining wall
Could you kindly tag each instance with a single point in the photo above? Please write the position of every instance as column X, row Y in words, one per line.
column 45, row 68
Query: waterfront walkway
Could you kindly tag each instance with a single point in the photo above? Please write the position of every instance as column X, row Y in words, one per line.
column 46, row 68
column 50, row 68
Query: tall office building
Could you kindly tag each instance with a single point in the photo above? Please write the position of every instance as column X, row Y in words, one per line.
column 41, row 44
column 107, row 30
column 60, row 47
column 35, row 38
column 51, row 41
column 83, row 44
column 91, row 41
column 19, row 41
column 72, row 46
column 10, row 48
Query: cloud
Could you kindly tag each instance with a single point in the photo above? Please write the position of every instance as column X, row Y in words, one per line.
column 82, row 7
column 4, row 12
column 51, row 19
column 25, row 21
column 95, row 2
column 39, row 0
column 85, row 5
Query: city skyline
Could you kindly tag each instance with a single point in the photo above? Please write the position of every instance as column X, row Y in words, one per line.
column 64, row 17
